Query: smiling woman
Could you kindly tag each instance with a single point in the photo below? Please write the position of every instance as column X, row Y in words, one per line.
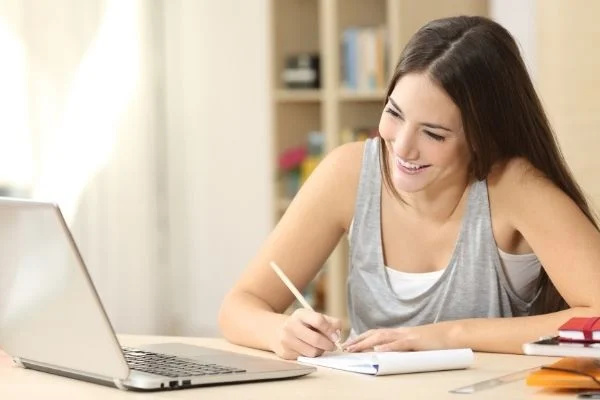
column 446, row 214
column 422, row 129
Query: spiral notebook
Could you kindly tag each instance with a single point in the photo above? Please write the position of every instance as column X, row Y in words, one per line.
column 389, row 363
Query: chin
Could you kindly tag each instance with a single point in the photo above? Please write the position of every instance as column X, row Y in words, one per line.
column 408, row 185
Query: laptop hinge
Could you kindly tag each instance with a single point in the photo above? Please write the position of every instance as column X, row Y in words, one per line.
column 119, row 384
column 71, row 373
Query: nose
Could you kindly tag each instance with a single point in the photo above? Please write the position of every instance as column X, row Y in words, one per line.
column 405, row 143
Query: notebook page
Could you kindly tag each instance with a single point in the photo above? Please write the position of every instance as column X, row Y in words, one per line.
column 386, row 363
column 422, row 361
column 364, row 363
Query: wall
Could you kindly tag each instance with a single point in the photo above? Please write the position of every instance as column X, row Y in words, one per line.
column 518, row 16
column 568, row 65
column 218, row 151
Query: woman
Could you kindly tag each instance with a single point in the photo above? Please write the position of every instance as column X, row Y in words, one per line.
column 466, row 227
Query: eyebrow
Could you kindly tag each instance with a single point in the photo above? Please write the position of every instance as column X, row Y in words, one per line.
column 427, row 124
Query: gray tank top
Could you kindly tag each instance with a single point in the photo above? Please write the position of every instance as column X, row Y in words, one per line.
column 473, row 284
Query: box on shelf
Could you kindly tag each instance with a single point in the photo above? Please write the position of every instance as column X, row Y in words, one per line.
column 302, row 71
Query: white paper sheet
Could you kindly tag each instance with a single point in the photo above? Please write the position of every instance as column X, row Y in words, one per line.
column 387, row 363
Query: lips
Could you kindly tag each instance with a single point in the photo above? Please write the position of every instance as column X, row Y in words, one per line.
column 409, row 166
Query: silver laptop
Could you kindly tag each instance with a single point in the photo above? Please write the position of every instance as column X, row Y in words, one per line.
column 52, row 320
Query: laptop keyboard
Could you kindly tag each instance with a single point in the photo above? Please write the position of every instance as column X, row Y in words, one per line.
column 172, row 366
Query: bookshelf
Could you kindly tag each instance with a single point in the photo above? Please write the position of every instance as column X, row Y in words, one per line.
column 346, row 35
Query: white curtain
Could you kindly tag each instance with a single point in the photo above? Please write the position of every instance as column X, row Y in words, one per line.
column 82, row 125
column 148, row 121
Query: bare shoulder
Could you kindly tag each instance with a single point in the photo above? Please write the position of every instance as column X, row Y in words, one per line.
column 517, row 176
column 519, row 192
column 346, row 159
column 335, row 180
column 521, row 199
column 346, row 162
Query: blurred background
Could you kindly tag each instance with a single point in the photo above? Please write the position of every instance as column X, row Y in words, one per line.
column 173, row 133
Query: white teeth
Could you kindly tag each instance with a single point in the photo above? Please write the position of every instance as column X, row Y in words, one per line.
column 406, row 164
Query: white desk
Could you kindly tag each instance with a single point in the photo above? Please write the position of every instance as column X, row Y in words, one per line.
column 18, row 383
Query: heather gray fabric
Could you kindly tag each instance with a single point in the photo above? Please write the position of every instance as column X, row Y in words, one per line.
column 473, row 284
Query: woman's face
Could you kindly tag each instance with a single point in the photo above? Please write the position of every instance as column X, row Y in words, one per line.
column 423, row 132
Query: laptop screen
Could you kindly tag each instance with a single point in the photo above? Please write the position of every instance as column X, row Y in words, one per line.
column 49, row 310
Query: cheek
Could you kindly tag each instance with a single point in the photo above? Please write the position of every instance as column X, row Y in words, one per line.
column 454, row 155
column 386, row 128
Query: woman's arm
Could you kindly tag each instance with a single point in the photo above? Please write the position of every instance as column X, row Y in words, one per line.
column 565, row 241
column 300, row 244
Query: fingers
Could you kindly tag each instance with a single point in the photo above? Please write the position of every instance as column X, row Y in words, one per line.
column 336, row 336
column 335, row 332
column 380, row 340
column 308, row 333
column 292, row 347
column 367, row 340
column 403, row 344
column 325, row 326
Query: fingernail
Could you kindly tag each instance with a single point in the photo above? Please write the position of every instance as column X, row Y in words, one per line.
column 334, row 337
column 377, row 348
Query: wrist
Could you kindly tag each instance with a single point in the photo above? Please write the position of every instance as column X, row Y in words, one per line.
column 275, row 334
column 456, row 333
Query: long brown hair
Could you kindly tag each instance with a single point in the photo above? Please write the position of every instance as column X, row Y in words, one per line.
column 477, row 63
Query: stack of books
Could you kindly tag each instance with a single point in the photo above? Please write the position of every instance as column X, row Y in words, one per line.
column 578, row 341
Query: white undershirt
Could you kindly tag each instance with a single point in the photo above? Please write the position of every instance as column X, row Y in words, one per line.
column 521, row 270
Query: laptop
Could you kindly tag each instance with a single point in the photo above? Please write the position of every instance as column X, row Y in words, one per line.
column 52, row 319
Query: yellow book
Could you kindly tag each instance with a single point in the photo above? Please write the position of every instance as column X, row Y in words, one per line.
column 568, row 373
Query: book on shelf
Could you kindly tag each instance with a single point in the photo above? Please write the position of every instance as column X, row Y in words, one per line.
column 363, row 58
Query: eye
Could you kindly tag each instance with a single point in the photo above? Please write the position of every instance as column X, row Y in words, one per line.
column 435, row 137
column 393, row 112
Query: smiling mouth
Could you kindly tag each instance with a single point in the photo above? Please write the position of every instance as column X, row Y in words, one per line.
column 408, row 166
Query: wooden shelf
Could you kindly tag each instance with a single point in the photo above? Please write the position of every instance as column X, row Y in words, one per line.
column 298, row 95
column 352, row 95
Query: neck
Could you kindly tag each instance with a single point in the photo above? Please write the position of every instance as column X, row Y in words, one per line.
column 439, row 204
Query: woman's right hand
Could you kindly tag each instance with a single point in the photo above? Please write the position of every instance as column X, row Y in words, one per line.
column 307, row 333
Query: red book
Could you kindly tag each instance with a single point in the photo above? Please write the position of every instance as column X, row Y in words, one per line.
column 581, row 329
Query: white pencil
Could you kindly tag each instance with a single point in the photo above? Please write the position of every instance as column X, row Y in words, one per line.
column 297, row 293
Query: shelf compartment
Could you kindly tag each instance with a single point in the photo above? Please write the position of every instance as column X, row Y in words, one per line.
column 361, row 13
column 360, row 96
column 298, row 95
column 293, row 122
column 363, row 42
column 295, row 30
